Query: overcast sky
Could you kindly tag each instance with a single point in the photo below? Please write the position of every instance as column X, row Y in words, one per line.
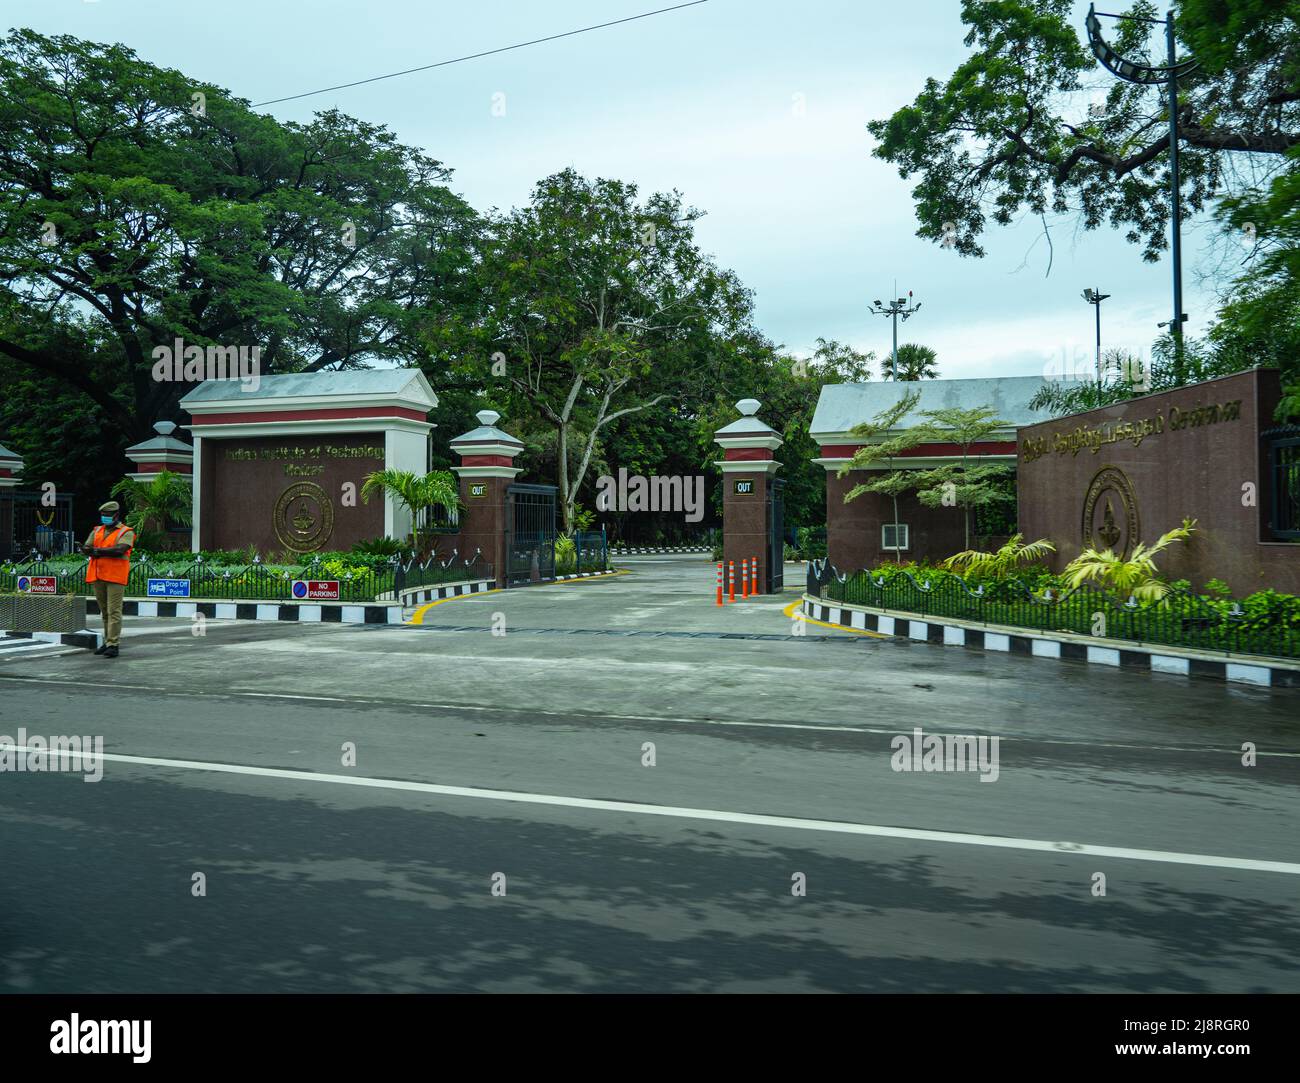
column 755, row 110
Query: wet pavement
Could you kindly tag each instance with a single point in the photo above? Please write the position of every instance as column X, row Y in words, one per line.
column 527, row 753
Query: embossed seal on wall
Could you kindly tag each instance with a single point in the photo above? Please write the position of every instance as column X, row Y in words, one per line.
column 1110, row 513
column 304, row 517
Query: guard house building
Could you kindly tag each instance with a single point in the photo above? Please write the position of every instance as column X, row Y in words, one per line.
column 863, row 533
column 281, row 467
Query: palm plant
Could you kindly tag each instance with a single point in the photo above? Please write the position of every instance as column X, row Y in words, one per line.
column 1135, row 577
column 415, row 492
column 915, row 362
column 1012, row 556
column 165, row 499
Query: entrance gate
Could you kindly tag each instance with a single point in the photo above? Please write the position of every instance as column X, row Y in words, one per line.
column 775, row 535
column 27, row 524
column 530, row 533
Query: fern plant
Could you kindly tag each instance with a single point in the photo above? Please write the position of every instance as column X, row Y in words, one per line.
column 1136, row 577
column 1014, row 555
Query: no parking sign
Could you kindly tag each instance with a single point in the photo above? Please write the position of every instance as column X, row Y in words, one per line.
column 316, row 590
column 38, row 584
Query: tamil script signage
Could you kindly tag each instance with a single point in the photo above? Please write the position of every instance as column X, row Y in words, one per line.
column 1095, row 437
column 316, row 590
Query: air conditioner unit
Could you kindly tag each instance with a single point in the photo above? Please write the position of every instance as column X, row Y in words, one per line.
column 893, row 536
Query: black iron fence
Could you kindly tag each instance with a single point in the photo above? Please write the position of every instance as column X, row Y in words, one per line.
column 1271, row 626
column 257, row 581
column 590, row 553
column 1284, row 478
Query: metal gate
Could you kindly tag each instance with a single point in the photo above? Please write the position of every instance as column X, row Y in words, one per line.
column 32, row 525
column 530, row 533
column 775, row 536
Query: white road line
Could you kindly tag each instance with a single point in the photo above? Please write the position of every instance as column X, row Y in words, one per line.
column 839, row 827
column 570, row 716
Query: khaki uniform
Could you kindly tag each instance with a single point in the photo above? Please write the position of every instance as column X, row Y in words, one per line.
column 109, row 595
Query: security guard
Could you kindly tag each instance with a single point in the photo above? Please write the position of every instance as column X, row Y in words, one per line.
column 109, row 548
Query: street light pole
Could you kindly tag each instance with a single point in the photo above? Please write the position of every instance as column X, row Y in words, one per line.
column 901, row 306
column 1147, row 75
column 1175, row 202
column 1095, row 298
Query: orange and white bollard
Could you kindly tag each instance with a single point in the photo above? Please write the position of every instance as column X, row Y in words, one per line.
column 744, row 578
column 719, row 582
column 731, row 574
column 753, row 576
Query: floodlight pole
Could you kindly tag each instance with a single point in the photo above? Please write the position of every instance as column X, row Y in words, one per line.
column 898, row 306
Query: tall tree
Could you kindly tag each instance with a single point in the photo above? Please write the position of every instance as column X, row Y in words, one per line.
column 603, row 306
column 1021, row 125
column 138, row 206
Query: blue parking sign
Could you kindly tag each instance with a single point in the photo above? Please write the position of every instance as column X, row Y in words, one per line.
column 169, row 588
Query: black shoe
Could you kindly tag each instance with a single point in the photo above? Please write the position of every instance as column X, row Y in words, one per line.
column 110, row 652
column 102, row 648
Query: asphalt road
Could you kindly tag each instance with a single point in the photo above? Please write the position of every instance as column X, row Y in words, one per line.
column 518, row 759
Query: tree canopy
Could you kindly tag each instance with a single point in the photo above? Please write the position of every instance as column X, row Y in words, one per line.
column 1031, row 123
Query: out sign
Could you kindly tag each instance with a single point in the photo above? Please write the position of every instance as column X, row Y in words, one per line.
column 744, row 488
column 478, row 491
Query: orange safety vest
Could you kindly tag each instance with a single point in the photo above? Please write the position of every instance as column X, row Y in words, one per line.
column 109, row 569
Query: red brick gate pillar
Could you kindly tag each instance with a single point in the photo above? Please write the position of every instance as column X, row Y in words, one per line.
column 748, row 465
column 485, row 472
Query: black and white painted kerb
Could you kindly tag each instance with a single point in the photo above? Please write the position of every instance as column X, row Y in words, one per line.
column 1155, row 659
column 279, row 611
column 622, row 551
column 17, row 640
column 585, row 575
column 422, row 595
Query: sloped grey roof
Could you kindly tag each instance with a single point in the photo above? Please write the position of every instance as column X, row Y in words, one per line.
column 745, row 426
column 161, row 443
column 487, row 434
column 5, row 453
column 351, row 382
column 841, row 406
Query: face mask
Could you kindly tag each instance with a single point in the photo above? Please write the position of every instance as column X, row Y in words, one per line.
column 107, row 520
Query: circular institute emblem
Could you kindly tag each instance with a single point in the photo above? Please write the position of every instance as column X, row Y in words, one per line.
column 1110, row 513
column 304, row 517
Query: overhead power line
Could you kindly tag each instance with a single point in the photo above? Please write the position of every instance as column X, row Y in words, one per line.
column 475, row 56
